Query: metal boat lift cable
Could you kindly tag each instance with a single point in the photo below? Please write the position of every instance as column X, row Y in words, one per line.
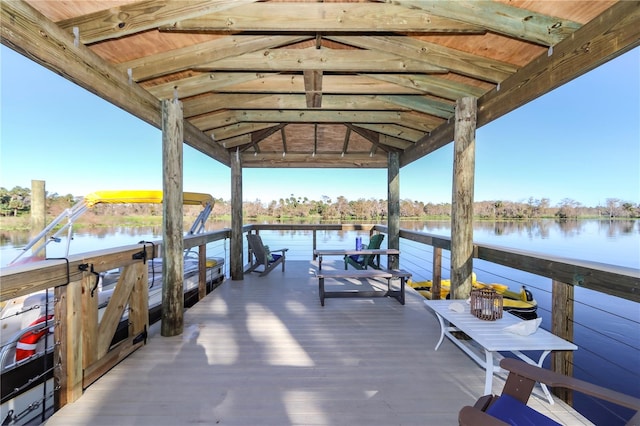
column 71, row 214
column 115, row 197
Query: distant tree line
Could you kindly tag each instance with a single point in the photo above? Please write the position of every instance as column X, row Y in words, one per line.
column 17, row 202
column 362, row 208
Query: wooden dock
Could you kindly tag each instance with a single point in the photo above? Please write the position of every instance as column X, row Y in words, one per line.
column 262, row 351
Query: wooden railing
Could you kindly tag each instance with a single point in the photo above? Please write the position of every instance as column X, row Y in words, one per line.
column 609, row 279
column 83, row 350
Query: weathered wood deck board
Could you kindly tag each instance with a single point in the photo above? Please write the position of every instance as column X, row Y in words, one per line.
column 262, row 351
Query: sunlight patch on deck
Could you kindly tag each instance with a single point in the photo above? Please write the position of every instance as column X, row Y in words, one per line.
column 219, row 307
column 299, row 405
column 225, row 350
column 296, row 307
column 279, row 346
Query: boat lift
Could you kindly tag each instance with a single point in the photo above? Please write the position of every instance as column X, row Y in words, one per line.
column 72, row 214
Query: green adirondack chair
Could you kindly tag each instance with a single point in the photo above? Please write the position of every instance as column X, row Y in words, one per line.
column 364, row 261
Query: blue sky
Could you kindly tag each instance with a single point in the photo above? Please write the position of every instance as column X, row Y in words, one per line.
column 581, row 141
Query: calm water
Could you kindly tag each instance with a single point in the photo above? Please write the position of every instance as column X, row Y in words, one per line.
column 606, row 329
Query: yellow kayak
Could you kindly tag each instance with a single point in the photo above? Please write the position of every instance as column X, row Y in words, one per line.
column 521, row 304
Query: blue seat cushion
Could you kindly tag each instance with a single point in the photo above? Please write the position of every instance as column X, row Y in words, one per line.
column 510, row 410
column 356, row 258
column 274, row 257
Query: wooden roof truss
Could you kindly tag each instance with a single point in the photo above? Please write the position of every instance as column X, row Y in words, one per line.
column 320, row 84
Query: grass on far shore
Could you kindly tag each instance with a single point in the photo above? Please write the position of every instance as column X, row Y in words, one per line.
column 23, row 223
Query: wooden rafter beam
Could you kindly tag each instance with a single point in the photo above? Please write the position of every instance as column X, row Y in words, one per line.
column 347, row 136
column 283, row 134
column 235, row 141
column 431, row 84
column 209, row 82
column 191, row 57
column 320, row 160
column 500, row 18
column 420, row 104
column 318, row 116
column 232, row 130
column 323, row 17
column 421, row 122
column 32, row 34
column 228, row 118
column 260, row 135
column 271, row 82
column 614, row 32
column 369, row 135
column 433, row 55
column 396, row 131
column 222, row 101
column 120, row 21
column 214, row 121
column 336, row 60
column 395, row 143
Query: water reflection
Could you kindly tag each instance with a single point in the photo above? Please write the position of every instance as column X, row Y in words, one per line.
column 541, row 228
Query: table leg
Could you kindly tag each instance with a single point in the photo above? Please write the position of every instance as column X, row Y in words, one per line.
column 442, row 329
column 488, row 377
column 320, row 263
column 321, row 290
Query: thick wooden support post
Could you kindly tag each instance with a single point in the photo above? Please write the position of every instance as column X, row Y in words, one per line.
column 562, row 326
column 68, row 351
column 462, row 198
column 393, row 219
column 437, row 273
column 38, row 213
column 236, row 258
column 172, row 222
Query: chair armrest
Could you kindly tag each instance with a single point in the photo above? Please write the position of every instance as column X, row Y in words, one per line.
column 554, row 379
column 282, row 250
column 471, row 416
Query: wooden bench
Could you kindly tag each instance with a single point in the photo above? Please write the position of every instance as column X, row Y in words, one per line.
column 388, row 274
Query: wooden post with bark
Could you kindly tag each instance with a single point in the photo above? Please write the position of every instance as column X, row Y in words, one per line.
column 393, row 218
column 462, row 198
column 236, row 255
column 562, row 326
column 172, row 219
column 38, row 217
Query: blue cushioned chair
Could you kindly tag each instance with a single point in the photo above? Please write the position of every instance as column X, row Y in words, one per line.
column 511, row 407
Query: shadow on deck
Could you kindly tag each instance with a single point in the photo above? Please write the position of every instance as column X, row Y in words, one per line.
column 262, row 351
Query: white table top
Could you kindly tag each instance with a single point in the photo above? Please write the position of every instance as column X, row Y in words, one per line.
column 490, row 334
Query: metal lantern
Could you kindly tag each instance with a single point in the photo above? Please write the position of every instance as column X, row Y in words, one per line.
column 486, row 304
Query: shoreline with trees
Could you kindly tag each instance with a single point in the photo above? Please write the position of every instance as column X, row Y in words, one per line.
column 15, row 206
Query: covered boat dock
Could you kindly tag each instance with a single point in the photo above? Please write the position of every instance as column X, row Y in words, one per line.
column 302, row 84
